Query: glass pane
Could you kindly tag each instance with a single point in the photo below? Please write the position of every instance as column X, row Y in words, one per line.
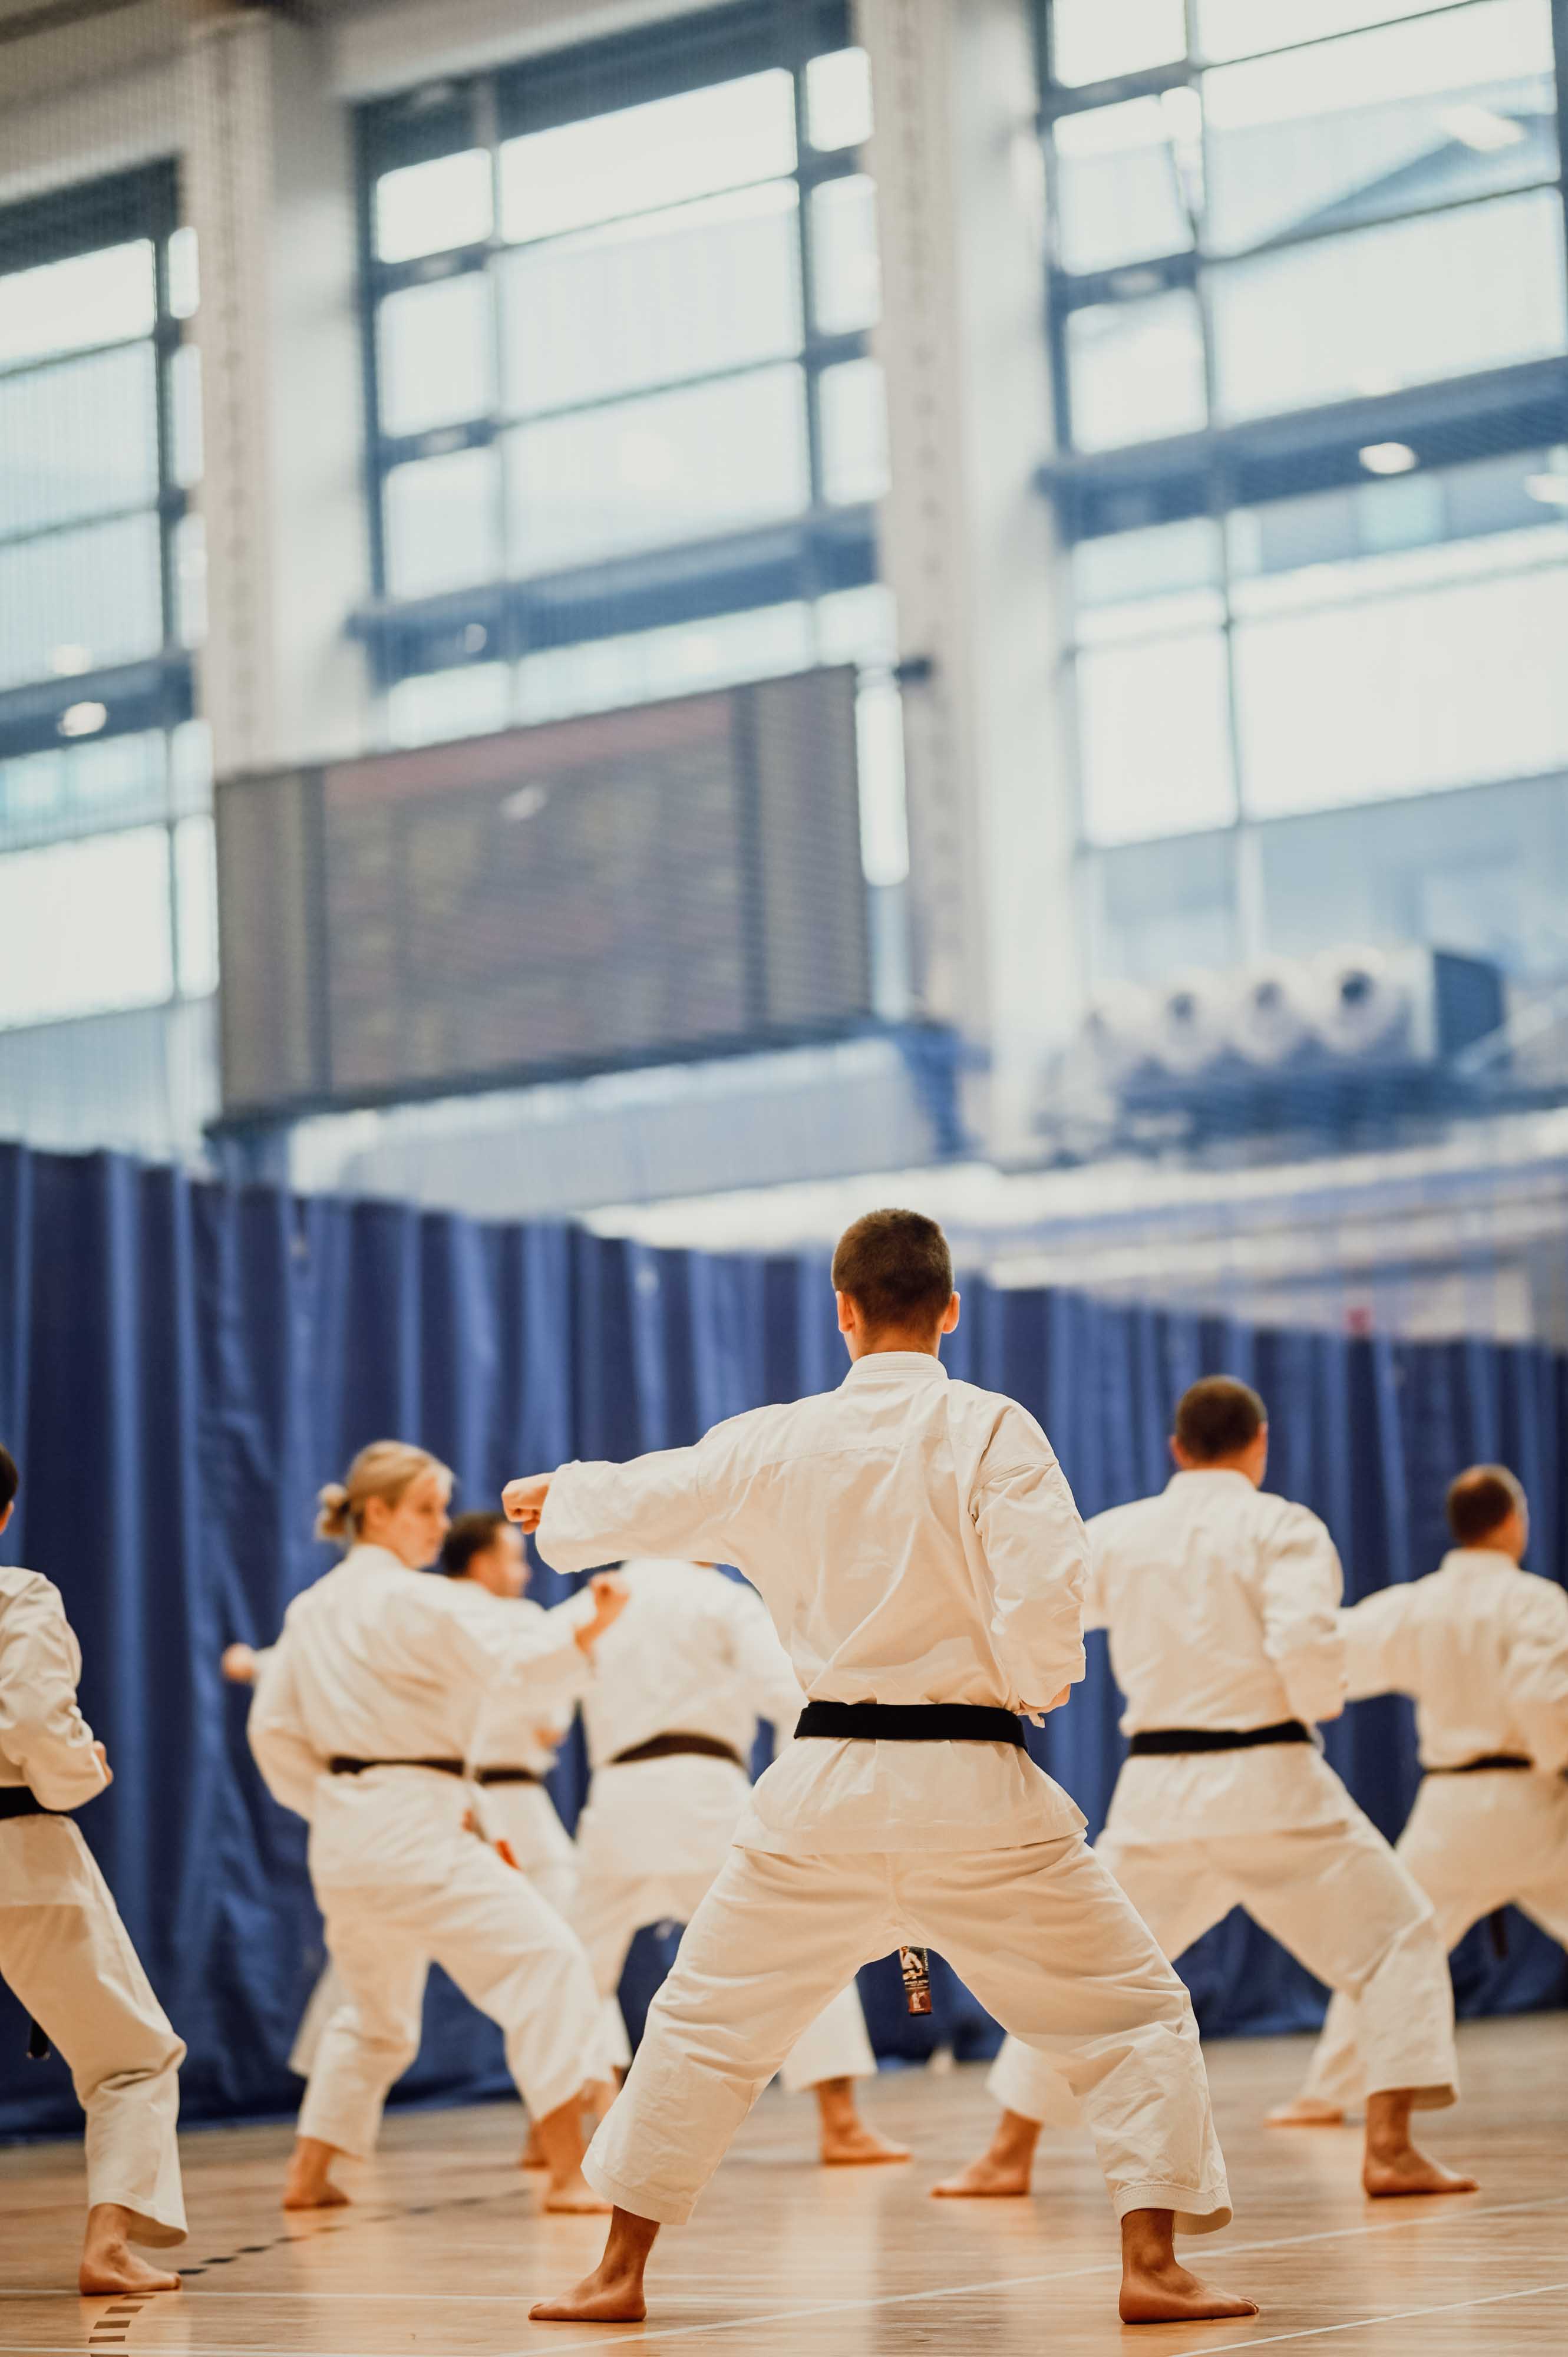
column 879, row 749
column 431, row 208
column 1136, row 369
column 838, row 99
column 434, row 348
column 1377, row 309
column 1125, row 178
column 1457, row 105
column 1155, row 737
column 184, row 275
column 66, row 307
column 682, row 659
column 185, row 416
column 711, row 286
column 1134, row 583
column 190, row 539
column 84, row 928
column 1451, row 685
column 1241, row 29
column 443, row 523
column 642, row 157
column 78, row 440
column 195, row 907
column 678, row 466
column 73, row 787
column 437, row 708
column 855, row 433
column 1092, row 39
column 846, row 270
column 80, row 599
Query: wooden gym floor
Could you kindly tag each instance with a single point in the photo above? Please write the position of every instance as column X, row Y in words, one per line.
column 444, row 2246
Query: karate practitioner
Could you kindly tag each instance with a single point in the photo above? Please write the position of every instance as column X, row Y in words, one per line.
column 63, row 1949
column 362, row 1723
column 1220, row 1607
column 1482, row 1647
column 671, row 1717
column 920, row 1556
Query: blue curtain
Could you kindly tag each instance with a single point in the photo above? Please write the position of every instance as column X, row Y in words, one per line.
column 182, row 1364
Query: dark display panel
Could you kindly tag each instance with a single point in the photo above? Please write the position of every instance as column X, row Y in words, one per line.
column 619, row 889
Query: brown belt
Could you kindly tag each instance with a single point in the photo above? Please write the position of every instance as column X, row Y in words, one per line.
column 506, row 1776
column 341, row 1765
column 1487, row 1759
column 677, row 1747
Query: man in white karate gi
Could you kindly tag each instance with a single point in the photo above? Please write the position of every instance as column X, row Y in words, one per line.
column 362, row 1723
column 63, row 1949
column 671, row 1717
column 1482, row 1648
column 919, row 1551
column 1220, row 1602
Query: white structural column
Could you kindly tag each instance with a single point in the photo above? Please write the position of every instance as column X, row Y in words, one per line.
column 969, row 545
column 269, row 188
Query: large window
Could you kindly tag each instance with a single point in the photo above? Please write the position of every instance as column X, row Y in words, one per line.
column 1309, row 317
column 627, row 434
column 105, row 852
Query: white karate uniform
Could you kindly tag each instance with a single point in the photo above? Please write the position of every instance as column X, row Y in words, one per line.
column 693, row 1654
column 914, row 1542
column 1482, row 1647
column 517, row 1735
column 1220, row 1603
column 63, row 1949
column 380, row 1662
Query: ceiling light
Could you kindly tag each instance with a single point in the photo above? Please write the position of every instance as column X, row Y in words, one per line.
column 83, row 719
column 1387, row 457
column 1551, row 490
column 1482, row 128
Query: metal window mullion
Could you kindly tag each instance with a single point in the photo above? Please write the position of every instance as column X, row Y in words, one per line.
column 487, row 135
column 368, row 305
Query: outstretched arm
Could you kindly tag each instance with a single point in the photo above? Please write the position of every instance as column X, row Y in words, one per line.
column 592, row 1513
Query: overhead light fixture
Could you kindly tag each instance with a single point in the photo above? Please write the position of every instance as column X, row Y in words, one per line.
column 1387, row 457
column 83, row 719
column 1552, row 491
column 1482, row 128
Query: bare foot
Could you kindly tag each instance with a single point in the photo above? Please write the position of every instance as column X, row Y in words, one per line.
column 533, row 2151
column 983, row 2178
column 1305, row 2112
column 1410, row 2172
column 576, row 2197
column 308, row 2185
column 114, row 2266
column 599, row 2298
column 858, row 2146
column 1169, row 2295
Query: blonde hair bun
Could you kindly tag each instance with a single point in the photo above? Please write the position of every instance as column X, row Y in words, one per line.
column 385, row 1469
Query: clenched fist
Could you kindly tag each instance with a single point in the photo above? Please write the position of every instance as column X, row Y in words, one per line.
column 523, row 1500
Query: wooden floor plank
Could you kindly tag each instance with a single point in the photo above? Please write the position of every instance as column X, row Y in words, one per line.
column 444, row 2246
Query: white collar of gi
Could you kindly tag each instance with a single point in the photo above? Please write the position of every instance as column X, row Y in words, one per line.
column 878, row 1365
column 1208, row 1473
column 1477, row 1559
column 363, row 1550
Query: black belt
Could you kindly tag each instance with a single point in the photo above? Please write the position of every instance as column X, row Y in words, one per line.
column 506, row 1776
column 20, row 1801
column 1487, row 1759
column 1164, row 1739
column 678, row 1747
column 342, row 1766
column 910, row 1722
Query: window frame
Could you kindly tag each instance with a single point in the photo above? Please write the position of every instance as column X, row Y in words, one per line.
column 803, row 557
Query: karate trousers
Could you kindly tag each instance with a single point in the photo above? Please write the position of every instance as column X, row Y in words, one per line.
column 1040, row 1933
column 651, row 1839
column 524, row 1817
column 1336, row 1897
column 66, row 1955
column 1495, row 1838
column 507, row 1951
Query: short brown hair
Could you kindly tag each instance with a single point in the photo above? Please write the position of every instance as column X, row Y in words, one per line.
column 1218, row 1417
column 10, row 1480
column 1481, row 1498
column 471, row 1534
column 895, row 1267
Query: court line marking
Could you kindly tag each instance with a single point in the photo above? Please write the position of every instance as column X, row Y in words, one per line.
column 617, row 2338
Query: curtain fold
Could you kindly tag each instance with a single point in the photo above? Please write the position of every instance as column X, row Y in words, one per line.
column 182, row 1365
